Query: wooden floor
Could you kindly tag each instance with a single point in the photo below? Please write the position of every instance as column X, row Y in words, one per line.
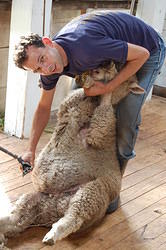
column 140, row 221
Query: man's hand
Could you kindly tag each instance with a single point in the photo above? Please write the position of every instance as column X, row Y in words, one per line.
column 40, row 120
column 98, row 88
column 29, row 156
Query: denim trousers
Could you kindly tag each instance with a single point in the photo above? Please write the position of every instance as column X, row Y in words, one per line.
column 128, row 111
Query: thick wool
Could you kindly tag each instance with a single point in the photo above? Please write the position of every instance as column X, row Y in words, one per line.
column 76, row 175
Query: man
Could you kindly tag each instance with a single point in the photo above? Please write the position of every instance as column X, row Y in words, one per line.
column 84, row 44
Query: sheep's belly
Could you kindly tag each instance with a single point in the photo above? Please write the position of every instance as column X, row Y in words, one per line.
column 72, row 170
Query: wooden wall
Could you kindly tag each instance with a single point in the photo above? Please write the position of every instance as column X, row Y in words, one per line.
column 5, row 12
column 64, row 11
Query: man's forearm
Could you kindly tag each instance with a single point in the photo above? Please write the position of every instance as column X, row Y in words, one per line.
column 40, row 120
column 127, row 71
column 136, row 57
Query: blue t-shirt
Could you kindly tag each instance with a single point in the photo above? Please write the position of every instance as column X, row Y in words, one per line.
column 93, row 38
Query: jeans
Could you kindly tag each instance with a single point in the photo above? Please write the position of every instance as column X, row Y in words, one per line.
column 128, row 110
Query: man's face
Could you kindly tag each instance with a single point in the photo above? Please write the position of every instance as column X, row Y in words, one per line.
column 44, row 60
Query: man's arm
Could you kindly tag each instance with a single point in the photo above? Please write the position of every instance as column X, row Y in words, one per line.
column 136, row 57
column 40, row 120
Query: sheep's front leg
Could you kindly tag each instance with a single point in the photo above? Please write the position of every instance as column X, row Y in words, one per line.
column 62, row 229
column 102, row 125
column 87, row 206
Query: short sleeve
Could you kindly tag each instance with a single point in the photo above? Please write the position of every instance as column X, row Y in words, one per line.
column 48, row 82
column 108, row 48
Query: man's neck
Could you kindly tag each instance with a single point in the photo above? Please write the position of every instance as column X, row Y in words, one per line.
column 62, row 53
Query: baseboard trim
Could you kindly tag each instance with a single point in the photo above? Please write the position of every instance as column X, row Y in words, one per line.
column 159, row 91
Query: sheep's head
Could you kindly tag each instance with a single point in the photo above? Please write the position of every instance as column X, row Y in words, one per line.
column 104, row 73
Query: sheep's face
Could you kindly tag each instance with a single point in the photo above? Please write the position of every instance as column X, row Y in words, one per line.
column 104, row 73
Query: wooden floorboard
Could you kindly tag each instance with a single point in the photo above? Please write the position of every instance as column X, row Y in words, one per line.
column 140, row 221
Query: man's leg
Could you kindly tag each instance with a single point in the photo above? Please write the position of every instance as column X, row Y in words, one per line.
column 128, row 110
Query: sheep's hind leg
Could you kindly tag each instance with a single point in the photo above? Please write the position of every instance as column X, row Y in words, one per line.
column 22, row 215
column 86, row 207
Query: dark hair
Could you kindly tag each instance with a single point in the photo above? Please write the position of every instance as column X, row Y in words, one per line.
column 20, row 54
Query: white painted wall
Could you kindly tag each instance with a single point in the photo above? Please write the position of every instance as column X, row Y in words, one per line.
column 161, row 80
column 62, row 13
column 153, row 12
column 22, row 90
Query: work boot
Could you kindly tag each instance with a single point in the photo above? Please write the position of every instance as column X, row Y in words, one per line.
column 123, row 163
column 113, row 206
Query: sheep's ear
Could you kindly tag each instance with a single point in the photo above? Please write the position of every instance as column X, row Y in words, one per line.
column 78, row 79
column 111, row 67
column 112, row 64
column 136, row 89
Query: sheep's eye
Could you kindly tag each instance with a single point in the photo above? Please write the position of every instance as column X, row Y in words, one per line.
column 96, row 71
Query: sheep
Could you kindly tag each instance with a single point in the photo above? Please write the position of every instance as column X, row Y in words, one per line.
column 105, row 73
column 77, row 174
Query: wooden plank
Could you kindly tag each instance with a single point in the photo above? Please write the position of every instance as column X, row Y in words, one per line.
column 31, row 239
column 151, row 236
column 149, row 141
column 5, row 13
column 146, row 160
column 138, row 164
column 3, row 135
column 9, row 170
column 139, row 176
column 146, row 149
column 10, row 143
column 13, row 184
column 14, row 194
column 142, row 187
column 134, row 242
column 115, row 233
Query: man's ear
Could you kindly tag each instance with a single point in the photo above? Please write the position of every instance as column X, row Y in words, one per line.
column 47, row 41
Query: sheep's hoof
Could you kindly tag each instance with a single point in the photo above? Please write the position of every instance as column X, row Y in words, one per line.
column 49, row 242
column 3, row 241
column 49, row 238
column 3, row 247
